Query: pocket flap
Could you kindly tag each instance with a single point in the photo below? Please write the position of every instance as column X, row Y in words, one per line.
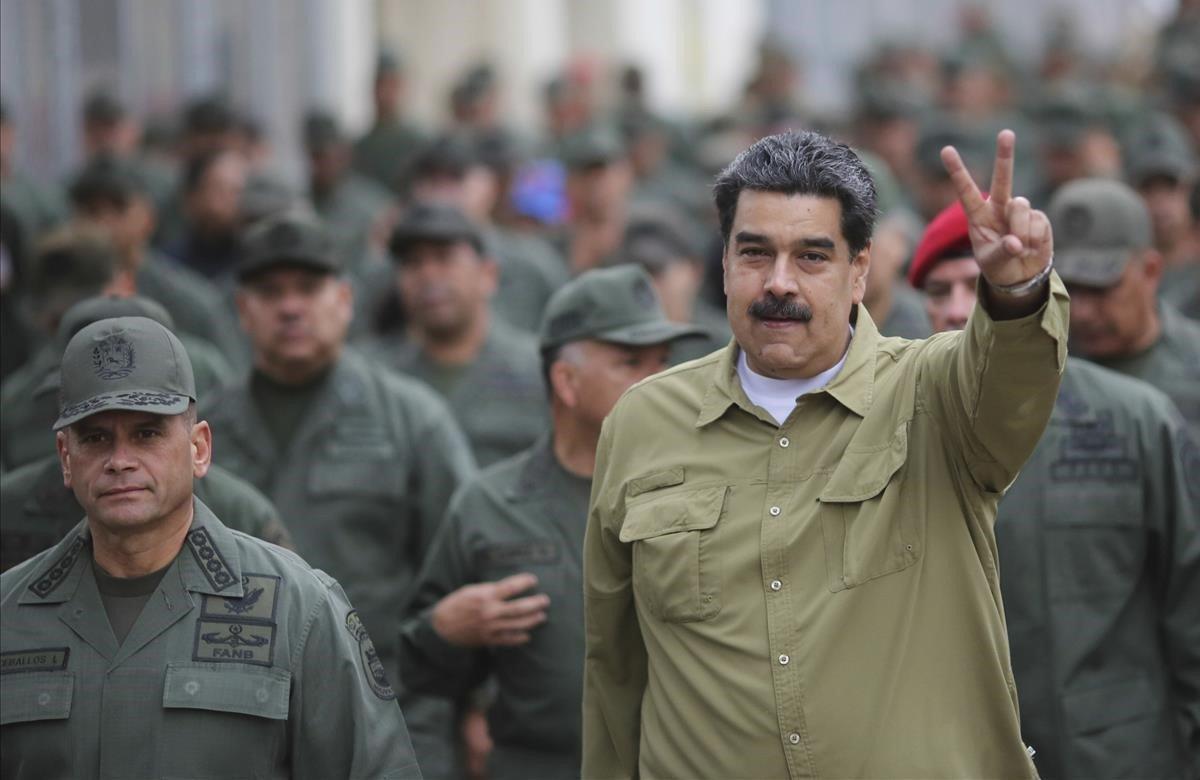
column 659, row 479
column 863, row 474
column 29, row 696
column 260, row 692
column 694, row 510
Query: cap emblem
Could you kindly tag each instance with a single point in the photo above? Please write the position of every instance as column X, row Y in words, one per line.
column 113, row 358
column 1077, row 222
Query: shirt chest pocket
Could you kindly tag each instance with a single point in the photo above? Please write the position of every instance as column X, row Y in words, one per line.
column 35, row 708
column 676, row 552
column 232, row 719
column 870, row 529
column 367, row 470
column 35, row 696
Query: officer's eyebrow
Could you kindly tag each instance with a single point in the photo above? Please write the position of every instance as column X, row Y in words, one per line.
column 819, row 241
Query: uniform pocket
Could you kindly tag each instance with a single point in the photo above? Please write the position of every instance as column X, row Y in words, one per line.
column 33, row 696
column 262, row 693
column 1095, row 540
column 676, row 562
column 869, row 530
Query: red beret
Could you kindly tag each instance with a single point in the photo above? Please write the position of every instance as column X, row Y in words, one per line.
column 946, row 236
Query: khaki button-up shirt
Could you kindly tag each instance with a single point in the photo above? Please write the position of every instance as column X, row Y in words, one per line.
column 818, row 598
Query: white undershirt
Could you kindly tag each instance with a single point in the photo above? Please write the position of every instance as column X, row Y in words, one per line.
column 779, row 396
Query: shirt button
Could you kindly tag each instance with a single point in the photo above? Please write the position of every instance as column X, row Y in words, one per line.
column 776, row 584
column 794, row 738
column 783, row 660
column 784, row 442
column 775, row 511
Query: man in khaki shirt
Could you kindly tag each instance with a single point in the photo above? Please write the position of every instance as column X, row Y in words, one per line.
column 808, row 588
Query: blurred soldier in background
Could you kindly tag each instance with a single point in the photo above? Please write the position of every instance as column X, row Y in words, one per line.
column 386, row 150
column 500, row 593
column 353, row 207
column 1104, row 239
column 1099, row 548
column 487, row 371
column 360, row 461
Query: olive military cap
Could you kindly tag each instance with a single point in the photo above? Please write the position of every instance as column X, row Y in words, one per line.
column 597, row 144
column 617, row 305
column 124, row 363
column 1160, row 147
column 288, row 240
column 437, row 223
column 1098, row 224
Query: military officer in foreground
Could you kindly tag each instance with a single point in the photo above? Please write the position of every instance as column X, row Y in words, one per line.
column 362, row 462
column 153, row 641
column 1099, row 550
column 37, row 510
column 788, row 560
column 499, row 594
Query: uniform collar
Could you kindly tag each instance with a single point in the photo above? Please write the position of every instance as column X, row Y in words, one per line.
column 209, row 562
column 853, row 387
column 541, row 473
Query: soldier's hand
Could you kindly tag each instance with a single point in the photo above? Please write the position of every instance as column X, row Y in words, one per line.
column 483, row 614
column 1011, row 240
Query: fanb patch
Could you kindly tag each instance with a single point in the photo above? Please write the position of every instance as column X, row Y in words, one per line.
column 231, row 641
column 372, row 666
column 46, row 659
column 257, row 604
column 114, row 358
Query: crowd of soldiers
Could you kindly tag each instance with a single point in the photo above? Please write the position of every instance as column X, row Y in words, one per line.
column 405, row 364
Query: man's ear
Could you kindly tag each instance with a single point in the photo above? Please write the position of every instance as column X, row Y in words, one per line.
column 64, row 457
column 490, row 271
column 201, row 436
column 1152, row 267
column 860, row 265
column 562, row 382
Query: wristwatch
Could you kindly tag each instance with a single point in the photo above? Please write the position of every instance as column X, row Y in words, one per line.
column 1020, row 288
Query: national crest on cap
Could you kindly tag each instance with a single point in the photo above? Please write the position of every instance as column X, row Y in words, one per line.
column 113, row 357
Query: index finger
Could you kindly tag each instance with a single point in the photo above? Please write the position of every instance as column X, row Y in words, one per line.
column 1002, row 170
column 964, row 186
column 517, row 583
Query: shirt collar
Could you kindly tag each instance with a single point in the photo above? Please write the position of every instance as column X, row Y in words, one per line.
column 853, row 387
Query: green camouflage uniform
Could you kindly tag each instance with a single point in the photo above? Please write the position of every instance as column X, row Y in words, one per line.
column 498, row 398
column 1099, row 549
column 244, row 662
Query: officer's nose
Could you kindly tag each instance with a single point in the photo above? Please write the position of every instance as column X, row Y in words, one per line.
column 781, row 281
column 121, row 457
column 962, row 301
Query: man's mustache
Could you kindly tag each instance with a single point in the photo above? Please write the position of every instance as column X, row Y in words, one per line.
column 773, row 308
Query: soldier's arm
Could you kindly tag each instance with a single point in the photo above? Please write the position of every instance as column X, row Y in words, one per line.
column 614, row 676
column 1172, row 462
column 343, row 718
column 431, row 664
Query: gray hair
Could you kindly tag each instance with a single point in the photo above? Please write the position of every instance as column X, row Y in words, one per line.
column 802, row 163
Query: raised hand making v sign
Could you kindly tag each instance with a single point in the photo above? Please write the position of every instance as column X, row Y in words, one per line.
column 1011, row 240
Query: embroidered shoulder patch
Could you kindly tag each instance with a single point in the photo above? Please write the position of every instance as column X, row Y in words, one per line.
column 212, row 563
column 256, row 605
column 45, row 659
column 54, row 576
column 372, row 667
column 233, row 641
